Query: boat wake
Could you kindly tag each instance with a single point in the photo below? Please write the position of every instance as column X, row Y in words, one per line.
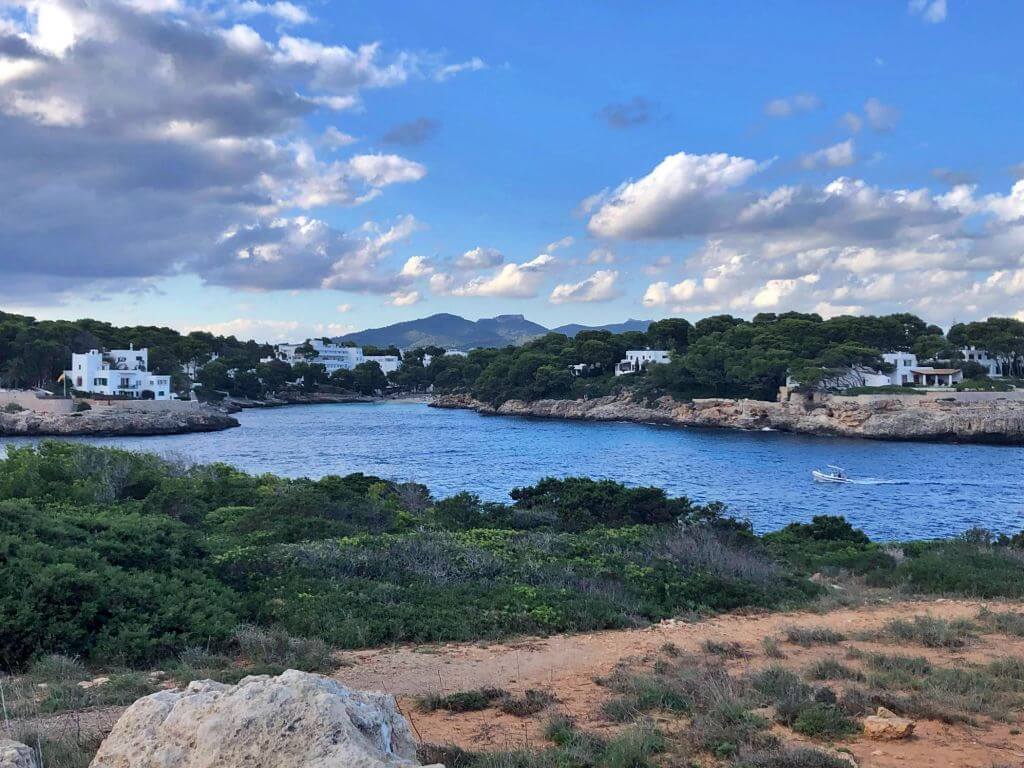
column 876, row 481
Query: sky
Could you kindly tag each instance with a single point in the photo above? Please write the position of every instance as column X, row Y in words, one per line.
column 276, row 170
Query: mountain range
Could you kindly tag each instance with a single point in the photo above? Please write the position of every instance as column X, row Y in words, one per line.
column 454, row 332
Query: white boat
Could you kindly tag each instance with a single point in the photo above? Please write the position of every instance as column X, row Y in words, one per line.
column 834, row 475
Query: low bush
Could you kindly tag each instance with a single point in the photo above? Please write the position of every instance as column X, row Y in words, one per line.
column 831, row 668
column 790, row 757
column 635, row 747
column 728, row 649
column 1006, row 622
column 771, row 648
column 931, row 632
column 462, row 701
column 646, row 692
column 530, row 703
column 808, row 636
column 824, row 721
column 275, row 649
column 967, row 568
column 67, row 749
column 727, row 726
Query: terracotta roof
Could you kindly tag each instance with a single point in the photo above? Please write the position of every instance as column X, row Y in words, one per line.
column 941, row 371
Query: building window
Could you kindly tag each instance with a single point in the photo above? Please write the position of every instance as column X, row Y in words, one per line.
column 99, row 382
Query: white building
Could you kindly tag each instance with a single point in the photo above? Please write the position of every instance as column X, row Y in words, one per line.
column 334, row 357
column 903, row 373
column 637, row 360
column 331, row 356
column 119, row 372
column 387, row 363
column 937, row 377
column 428, row 358
column 981, row 357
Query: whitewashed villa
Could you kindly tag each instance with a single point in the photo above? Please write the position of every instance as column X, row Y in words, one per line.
column 117, row 373
column 335, row 357
column 637, row 360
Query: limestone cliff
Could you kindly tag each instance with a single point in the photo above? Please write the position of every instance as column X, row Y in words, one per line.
column 904, row 418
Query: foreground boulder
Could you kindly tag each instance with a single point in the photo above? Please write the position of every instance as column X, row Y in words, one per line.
column 295, row 720
column 14, row 754
column 887, row 726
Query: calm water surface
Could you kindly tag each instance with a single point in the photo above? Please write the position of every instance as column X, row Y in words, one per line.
column 912, row 490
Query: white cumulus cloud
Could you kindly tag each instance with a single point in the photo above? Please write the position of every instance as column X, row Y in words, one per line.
column 845, row 246
column 600, row 286
column 510, row 281
column 678, row 195
column 835, row 156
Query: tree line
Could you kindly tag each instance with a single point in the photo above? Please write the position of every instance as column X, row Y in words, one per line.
column 719, row 356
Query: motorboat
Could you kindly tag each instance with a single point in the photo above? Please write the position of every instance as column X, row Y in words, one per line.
column 833, row 475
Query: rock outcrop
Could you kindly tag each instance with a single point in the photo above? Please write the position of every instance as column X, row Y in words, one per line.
column 899, row 418
column 110, row 421
column 14, row 754
column 887, row 726
column 235, row 404
column 295, row 720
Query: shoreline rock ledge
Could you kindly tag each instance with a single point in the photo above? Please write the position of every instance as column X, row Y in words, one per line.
column 999, row 422
column 110, row 421
column 294, row 720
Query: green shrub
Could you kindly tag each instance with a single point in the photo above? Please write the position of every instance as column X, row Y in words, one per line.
column 530, row 703
column 791, row 757
column 633, row 748
column 808, row 636
column 963, row 568
column 771, row 648
column 831, row 668
column 1006, row 622
column 823, row 721
column 275, row 649
column 462, row 701
column 726, row 649
column 64, row 749
column 931, row 632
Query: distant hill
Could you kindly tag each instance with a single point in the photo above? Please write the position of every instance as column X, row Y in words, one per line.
column 630, row 325
column 451, row 331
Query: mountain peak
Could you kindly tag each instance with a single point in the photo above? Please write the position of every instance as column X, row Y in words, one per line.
column 454, row 332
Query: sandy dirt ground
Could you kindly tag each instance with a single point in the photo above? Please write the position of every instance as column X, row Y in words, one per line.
column 567, row 665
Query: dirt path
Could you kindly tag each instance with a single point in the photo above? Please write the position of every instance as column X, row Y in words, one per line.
column 567, row 665
column 415, row 670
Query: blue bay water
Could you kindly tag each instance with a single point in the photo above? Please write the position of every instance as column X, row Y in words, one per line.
column 911, row 490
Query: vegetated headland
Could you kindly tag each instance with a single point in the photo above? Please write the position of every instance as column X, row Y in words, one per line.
column 997, row 421
column 790, row 372
column 116, row 564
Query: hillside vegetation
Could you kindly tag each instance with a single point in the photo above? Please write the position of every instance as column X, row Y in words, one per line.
column 116, row 557
column 721, row 356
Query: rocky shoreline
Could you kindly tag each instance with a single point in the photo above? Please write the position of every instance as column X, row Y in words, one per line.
column 998, row 422
column 114, row 422
column 235, row 404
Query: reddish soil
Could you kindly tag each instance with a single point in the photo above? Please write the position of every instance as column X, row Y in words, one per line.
column 567, row 666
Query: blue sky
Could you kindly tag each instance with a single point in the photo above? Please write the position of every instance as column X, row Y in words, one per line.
column 249, row 168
